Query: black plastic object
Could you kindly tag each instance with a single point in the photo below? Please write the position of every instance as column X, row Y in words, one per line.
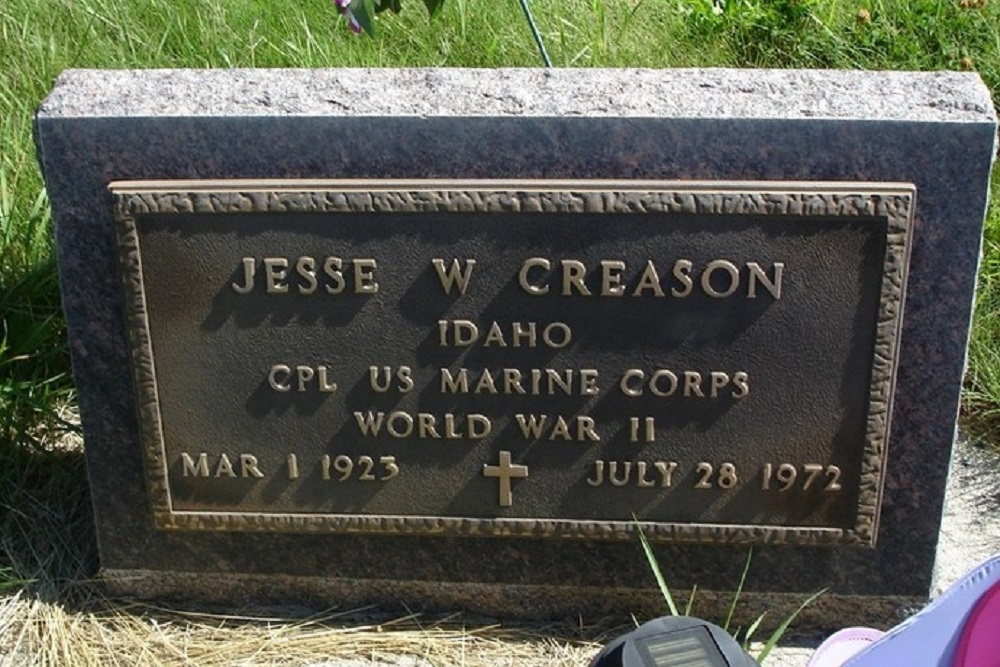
column 674, row 641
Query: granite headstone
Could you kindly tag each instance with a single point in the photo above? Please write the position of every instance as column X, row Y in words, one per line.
column 451, row 338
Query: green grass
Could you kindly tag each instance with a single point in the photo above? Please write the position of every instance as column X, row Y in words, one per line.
column 744, row 637
column 47, row 540
column 40, row 38
column 981, row 408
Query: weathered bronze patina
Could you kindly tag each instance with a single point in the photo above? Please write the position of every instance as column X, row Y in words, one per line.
column 534, row 358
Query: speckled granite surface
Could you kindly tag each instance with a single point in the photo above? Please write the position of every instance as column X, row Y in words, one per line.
column 936, row 131
column 601, row 93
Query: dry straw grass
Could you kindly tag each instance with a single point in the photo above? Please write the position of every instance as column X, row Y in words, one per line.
column 37, row 633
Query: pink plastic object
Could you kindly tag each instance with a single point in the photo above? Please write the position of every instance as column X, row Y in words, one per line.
column 979, row 645
column 931, row 637
column 841, row 645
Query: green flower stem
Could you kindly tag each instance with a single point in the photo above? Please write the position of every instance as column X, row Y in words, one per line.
column 537, row 35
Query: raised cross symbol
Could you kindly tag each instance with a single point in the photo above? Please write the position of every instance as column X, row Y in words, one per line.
column 505, row 472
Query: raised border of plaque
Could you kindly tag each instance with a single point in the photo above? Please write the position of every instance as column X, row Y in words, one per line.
column 893, row 202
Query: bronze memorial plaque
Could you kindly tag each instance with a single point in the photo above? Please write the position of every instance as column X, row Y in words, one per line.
column 534, row 358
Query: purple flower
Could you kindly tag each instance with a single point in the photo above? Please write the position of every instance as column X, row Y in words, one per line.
column 344, row 7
